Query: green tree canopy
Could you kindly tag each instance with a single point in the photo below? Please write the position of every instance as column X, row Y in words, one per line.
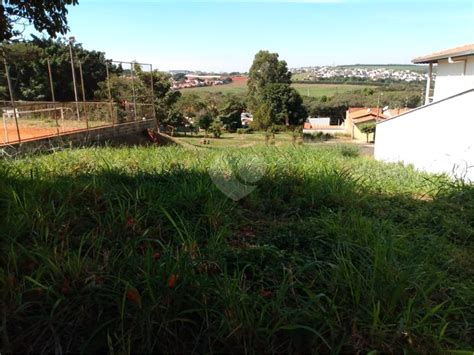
column 266, row 69
column 263, row 117
column 28, row 68
column 204, row 120
column 285, row 103
column 230, row 112
column 269, row 84
column 49, row 16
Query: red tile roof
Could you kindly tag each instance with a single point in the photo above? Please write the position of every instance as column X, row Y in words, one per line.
column 460, row 51
column 367, row 111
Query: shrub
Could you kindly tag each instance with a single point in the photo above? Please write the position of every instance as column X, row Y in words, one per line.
column 349, row 151
column 215, row 129
column 317, row 137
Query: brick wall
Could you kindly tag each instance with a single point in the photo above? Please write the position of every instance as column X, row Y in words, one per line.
column 117, row 134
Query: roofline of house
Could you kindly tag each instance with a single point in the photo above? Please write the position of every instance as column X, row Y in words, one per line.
column 422, row 107
column 434, row 58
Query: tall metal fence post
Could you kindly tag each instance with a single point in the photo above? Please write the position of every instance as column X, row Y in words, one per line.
column 153, row 97
column 132, row 69
column 53, row 98
column 12, row 99
column 109, row 92
column 71, row 41
column 83, row 95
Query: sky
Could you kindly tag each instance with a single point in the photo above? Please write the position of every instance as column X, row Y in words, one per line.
column 224, row 35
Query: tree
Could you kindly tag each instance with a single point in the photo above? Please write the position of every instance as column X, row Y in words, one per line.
column 368, row 128
column 215, row 129
column 266, row 69
column 29, row 72
column 49, row 16
column 262, row 117
column 165, row 98
column 174, row 118
column 286, row 104
column 190, row 105
column 270, row 83
column 230, row 112
column 204, row 120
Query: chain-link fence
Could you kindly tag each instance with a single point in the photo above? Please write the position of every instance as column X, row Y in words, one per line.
column 33, row 120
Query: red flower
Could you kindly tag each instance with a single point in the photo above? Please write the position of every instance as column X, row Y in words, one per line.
column 130, row 222
column 156, row 256
column 133, row 296
column 172, row 281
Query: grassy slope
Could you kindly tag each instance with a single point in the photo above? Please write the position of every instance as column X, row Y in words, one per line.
column 136, row 248
column 315, row 90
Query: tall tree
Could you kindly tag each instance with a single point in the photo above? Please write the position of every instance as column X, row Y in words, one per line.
column 165, row 98
column 29, row 72
column 285, row 103
column 49, row 16
column 266, row 69
column 230, row 112
column 269, row 89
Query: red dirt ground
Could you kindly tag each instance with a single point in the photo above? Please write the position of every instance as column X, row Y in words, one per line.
column 28, row 133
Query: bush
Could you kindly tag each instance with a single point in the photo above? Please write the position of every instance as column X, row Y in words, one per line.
column 280, row 128
column 215, row 129
column 317, row 137
column 348, row 151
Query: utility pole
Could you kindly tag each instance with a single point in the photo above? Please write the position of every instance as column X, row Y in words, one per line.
column 71, row 42
column 378, row 107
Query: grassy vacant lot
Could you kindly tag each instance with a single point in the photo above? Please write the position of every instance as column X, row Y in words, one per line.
column 314, row 90
column 138, row 250
column 234, row 140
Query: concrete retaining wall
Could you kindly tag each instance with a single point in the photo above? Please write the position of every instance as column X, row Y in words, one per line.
column 121, row 133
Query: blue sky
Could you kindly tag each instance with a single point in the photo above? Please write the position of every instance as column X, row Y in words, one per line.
column 224, row 35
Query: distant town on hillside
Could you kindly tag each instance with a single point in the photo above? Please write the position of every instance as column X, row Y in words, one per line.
column 395, row 72
column 182, row 79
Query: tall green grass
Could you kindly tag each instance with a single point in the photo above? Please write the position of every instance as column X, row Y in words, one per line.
column 136, row 250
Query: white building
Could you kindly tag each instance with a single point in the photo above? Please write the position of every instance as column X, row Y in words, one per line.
column 319, row 121
column 439, row 136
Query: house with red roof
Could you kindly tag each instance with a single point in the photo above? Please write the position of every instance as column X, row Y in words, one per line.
column 357, row 117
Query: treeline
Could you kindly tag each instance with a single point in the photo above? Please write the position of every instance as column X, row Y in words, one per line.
column 393, row 96
column 359, row 81
column 270, row 98
column 28, row 69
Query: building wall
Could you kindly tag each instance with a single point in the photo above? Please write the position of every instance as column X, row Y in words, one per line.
column 319, row 121
column 436, row 138
column 453, row 78
column 355, row 132
column 360, row 136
